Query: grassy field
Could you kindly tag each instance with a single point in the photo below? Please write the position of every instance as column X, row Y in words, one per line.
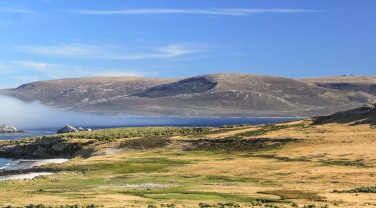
column 295, row 164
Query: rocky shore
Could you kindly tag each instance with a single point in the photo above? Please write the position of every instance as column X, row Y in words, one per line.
column 9, row 129
column 69, row 129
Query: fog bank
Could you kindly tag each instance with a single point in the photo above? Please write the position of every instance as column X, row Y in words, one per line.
column 35, row 115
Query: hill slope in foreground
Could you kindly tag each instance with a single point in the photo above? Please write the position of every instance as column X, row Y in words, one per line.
column 320, row 162
column 206, row 95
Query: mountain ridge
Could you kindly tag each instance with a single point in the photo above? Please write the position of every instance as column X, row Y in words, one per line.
column 211, row 95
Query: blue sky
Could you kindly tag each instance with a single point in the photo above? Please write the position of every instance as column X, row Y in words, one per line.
column 52, row 39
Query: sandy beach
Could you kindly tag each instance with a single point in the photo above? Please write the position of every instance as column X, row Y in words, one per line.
column 23, row 176
column 26, row 164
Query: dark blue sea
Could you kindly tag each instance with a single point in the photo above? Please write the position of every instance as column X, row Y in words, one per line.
column 139, row 122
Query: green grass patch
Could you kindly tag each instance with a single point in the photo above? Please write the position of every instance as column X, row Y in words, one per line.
column 182, row 196
column 123, row 167
column 295, row 194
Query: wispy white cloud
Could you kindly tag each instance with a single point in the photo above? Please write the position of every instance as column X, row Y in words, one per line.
column 116, row 74
column 26, row 79
column 11, row 77
column 4, row 69
column 74, row 50
column 12, row 10
column 177, row 50
column 56, row 71
column 36, row 65
column 26, row 71
column 228, row 12
column 105, row 51
column 47, row 69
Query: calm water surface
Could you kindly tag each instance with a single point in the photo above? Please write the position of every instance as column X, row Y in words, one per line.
column 4, row 162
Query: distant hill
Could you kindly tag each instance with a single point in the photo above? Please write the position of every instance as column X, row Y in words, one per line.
column 352, row 85
column 206, row 95
column 362, row 115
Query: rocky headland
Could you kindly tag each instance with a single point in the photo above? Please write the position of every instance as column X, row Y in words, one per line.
column 4, row 129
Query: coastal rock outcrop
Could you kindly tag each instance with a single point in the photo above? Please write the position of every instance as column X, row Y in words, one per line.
column 9, row 129
column 370, row 106
column 69, row 128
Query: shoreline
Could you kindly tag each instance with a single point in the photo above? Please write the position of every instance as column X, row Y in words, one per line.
column 21, row 164
column 13, row 132
column 24, row 164
column 24, row 176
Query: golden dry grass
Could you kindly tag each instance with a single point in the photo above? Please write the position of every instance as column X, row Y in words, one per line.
column 325, row 158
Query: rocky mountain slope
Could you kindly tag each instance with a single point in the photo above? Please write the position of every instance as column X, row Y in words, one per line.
column 206, row 95
column 352, row 85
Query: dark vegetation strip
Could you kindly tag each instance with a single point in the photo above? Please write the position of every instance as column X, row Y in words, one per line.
column 121, row 133
column 368, row 189
column 224, row 196
column 145, row 143
column 236, row 144
column 284, row 159
column 344, row 162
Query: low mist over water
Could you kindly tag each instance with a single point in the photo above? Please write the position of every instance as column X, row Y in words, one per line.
column 37, row 116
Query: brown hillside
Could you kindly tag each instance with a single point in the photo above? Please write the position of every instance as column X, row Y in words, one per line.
column 206, row 95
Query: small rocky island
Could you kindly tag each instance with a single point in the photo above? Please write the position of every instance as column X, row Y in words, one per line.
column 6, row 129
column 69, row 128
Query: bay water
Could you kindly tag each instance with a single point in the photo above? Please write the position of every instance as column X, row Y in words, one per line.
column 4, row 162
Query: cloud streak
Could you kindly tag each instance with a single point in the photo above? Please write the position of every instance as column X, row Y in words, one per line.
column 55, row 71
column 4, row 69
column 49, row 69
column 36, row 65
column 12, row 10
column 19, row 72
column 116, row 74
column 102, row 51
column 224, row 12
